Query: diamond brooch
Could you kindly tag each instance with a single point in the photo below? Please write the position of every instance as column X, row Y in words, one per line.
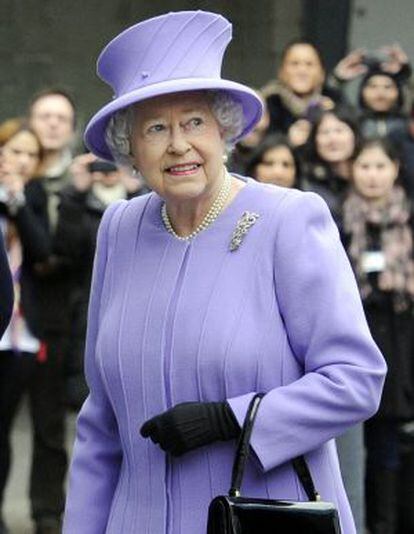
column 246, row 221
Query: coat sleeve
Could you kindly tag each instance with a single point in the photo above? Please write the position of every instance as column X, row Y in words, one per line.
column 72, row 235
column 31, row 220
column 97, row 452
column 343, row 370
column 6, row 289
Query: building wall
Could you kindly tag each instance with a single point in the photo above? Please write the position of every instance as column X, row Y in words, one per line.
column 56, row 42
column 379, row 23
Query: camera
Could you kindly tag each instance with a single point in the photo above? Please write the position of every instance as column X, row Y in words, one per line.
column 100, row 165
column 374, row 59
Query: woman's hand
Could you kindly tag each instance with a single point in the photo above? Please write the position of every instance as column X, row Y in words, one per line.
column 397, row 58
column 10, row 180
column 298, row 132
column 351, row 66
column 189, row 425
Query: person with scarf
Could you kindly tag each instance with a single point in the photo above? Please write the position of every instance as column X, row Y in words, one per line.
column 326, row 170
column 299, row 92
column 380, row 246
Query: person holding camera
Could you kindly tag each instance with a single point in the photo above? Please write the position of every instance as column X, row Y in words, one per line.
column 95, row 184
column 300, row 92
column 381, row 92
column 23, row 223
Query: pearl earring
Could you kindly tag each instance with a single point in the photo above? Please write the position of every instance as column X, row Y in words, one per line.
column 225, row 158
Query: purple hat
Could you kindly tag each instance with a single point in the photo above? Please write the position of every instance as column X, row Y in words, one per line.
column 171, row 53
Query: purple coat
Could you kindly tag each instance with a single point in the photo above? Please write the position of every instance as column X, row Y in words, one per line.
column 173, row 321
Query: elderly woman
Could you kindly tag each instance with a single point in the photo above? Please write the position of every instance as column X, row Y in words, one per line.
column 205, row 291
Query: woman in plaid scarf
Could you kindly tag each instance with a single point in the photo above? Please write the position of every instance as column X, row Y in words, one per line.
column 377, row 220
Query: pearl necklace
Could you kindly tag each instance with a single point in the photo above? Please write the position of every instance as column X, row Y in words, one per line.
column 211, row 215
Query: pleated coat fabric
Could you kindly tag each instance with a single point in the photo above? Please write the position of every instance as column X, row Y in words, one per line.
column 173, row 321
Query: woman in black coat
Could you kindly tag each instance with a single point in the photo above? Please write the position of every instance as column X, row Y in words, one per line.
column 327, row 162
column 95, row 184
column 299, row 91
column 23, row 223
column 377, row 219
column 327, row 157
column 6, row 289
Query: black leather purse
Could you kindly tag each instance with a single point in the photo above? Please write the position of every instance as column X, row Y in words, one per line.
column 234, row 514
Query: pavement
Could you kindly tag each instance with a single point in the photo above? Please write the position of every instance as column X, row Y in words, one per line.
column 16, row 507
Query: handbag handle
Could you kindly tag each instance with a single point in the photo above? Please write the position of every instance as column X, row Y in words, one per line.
column 243, row 450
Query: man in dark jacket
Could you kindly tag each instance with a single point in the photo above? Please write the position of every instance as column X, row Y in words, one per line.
column 52, row 117
column 6, row 289
column 95, row 184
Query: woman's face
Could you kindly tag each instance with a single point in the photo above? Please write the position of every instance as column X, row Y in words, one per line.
column 374, row 173
column 178, row 147
column 335, row 140
column 20, row 154
column 380, row 93
column 301, row 70
column 277, row 167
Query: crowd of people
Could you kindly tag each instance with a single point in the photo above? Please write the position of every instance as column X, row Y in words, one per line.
column 358, row 157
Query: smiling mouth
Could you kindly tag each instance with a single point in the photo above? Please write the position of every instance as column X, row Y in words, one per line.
column 183, row 169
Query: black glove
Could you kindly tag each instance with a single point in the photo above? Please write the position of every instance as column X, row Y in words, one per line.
column 190, row 425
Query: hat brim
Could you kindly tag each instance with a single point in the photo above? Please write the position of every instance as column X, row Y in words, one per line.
column 96, row 128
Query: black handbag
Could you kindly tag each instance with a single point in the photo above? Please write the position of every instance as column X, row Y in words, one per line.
column 233, row 514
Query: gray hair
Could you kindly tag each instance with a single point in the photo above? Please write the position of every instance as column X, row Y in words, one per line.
column 225, row 108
